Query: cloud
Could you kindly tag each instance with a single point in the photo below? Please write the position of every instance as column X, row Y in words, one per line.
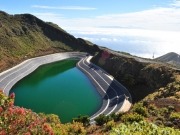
column 142, row 33
column 63, row 7
column 176, row 3
column 45, row 14
column 158, row 19
column 135, row 41
column 154, row 19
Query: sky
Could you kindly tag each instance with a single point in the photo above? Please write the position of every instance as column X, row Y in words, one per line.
column 139, row 27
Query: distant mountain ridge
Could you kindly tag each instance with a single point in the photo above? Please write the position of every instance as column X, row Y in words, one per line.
column 171, row 58
column 24, row 36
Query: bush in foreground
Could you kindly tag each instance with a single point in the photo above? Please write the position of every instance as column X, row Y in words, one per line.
column 82, row 119
column 132, row 117
column 16, row 120
column 142, row 128
column 101, row 119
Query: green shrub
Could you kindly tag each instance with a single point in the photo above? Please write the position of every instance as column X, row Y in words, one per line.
column 83, row 119
column 175, row 115
column 102, row 119
column 116, row 117
column 168, row 123
column 152, row 107
column 52, row 118
column 145, row 103
column 76, row 128
column 138, row 108
column 109, row 125
column 170, row 108
column 158, row 122
column 142, row 128
column 163, row 111
column 132, row 117
column 161, row 118
column 91, row 129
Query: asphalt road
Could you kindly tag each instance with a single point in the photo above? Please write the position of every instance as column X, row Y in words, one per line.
column 112, row 92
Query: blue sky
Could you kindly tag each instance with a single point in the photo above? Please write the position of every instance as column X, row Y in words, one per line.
column 97, row 7
column 140, row 27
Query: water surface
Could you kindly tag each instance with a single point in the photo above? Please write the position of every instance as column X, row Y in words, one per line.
column 59, row 88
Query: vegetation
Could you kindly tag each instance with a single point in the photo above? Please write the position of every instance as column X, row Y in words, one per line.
column 132, row 117
column 139, row 77
column 172, row 89
column 144, row 118
column 82, row 119
column 140, row 109
column 102, row 119
column 153, row 115
column 29, row 37
column 154, row 88
column 142, row 128
column 17, row 120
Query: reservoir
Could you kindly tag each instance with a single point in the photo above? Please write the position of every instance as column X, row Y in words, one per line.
column 58, row 88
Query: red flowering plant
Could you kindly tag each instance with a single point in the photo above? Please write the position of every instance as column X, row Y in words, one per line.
column 17, row 120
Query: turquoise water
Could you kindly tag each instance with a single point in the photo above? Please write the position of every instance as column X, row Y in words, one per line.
column 59, row 88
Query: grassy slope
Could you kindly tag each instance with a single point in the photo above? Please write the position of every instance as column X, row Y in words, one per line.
column 140, row 78
column 24, row 36
column 154, row 87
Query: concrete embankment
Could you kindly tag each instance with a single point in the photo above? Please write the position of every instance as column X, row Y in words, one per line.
column 113, row 94
column 12, row 76
column 115, row 97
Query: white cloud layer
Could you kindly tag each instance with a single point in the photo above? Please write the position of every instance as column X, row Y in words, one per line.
column 176, row 3
column 141, row 33
column 136, row 41
column 63, row 7
column 157, row 19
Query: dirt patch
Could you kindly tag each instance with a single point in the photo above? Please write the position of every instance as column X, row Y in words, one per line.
column 160, row 103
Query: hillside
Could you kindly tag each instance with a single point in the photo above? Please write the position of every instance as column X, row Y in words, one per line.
column 23, row 36
column 141, row 77
column 155, row 87
column 171, row 58
column 155, row 90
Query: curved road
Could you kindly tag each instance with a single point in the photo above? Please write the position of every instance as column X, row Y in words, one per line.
column 12, row 76
column 112, row 92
